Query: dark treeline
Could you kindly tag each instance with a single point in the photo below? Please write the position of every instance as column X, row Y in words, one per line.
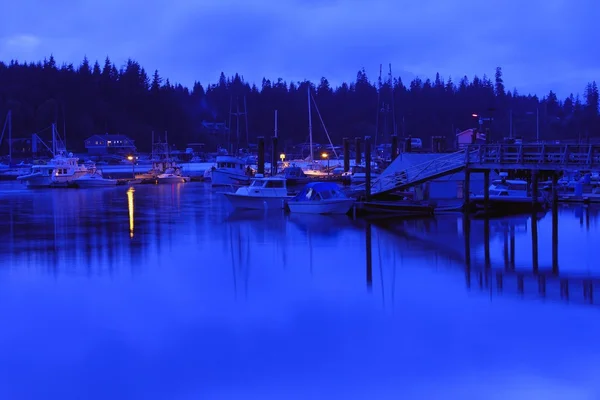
column 96, row 98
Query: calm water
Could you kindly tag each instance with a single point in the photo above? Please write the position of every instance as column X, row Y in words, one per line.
column 161, row 293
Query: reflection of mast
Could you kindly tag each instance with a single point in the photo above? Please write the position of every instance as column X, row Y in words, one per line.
column 130, row 207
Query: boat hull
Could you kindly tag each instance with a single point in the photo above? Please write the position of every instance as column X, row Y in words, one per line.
column 87, row 183
column 173, row 179
column 256, row 202
column 332, row 206
column 227, row 178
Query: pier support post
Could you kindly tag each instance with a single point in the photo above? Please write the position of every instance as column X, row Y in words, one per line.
column 368, row 168
column 346, row 154
column 261, row 155
column 486, row 191
column 394, row 147
column 274, row 155
column 534, row 189
column 467, row 189
column 358, row 155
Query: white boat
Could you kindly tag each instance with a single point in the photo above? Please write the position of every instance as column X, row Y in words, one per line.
column 508, row 193
column 94, row 179
column 172, row 175
column 229, row 171
column 60, row 171
column 358, row 178
column 321, row 198
column 262, row 193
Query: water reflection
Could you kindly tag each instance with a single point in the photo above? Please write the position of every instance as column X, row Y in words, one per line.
column 188, row 300
column 130, row 206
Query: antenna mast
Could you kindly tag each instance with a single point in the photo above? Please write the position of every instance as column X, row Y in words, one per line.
column 378, row 99
column 309, row 122
column 394, row 128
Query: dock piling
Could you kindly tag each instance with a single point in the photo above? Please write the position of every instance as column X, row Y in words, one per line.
column 394, row 147
column 358, row 155
column 261, row 155
column 346, row 154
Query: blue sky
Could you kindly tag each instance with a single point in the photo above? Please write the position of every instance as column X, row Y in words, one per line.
column 540, row 44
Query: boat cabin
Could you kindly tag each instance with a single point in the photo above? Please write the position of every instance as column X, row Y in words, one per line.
column 268, row 183
column 317, row 191
column 229, row 162
column 293, row 172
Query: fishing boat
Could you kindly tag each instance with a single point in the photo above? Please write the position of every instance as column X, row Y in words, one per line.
column 94, row 178
column 262, row 193
column 321, row 198
column 61, row 171
column 229, row 171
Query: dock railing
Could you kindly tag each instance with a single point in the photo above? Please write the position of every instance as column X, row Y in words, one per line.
column 534, row 156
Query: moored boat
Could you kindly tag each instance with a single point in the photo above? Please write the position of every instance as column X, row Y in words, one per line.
column 321, row 198
column 262, row 193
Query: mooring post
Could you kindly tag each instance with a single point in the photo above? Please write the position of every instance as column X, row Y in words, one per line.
column 486, row 191
column 394, row 147
column 368, row 168
column 273, row 155
column 346, row 154
column 358, row 155
column 261, row 155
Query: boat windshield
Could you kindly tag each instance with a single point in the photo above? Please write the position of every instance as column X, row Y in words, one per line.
column 257, row 183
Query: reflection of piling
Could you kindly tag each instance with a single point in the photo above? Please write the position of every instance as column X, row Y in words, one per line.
column 467, row 236
column 273, row 155
column 261, row 155
column 368, row 168
column 394, row 147
column 486, row 240
column 369, row 243
column 467, row 189
column 346, row 154
column 358, row 155
column 554, row 223
column 534, row 242
column 486, row 191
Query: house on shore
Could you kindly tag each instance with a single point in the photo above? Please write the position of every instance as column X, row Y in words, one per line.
column 109, row 144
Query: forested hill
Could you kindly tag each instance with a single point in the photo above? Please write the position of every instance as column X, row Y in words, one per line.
column 96, row 98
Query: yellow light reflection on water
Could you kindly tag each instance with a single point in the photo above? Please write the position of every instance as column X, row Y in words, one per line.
column 130, row 207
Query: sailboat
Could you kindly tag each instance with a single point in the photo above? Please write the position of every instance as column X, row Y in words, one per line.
column 8, row 170
column 61, row 171
column 229, row 169
column 313, row 168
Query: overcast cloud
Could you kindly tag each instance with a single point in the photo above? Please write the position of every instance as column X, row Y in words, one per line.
column 540, row 44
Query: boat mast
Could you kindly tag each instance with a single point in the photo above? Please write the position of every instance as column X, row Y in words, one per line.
column 394, row 128
column 53, row 139
column 378, row 105
column 309, row 123
column 275, row 123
